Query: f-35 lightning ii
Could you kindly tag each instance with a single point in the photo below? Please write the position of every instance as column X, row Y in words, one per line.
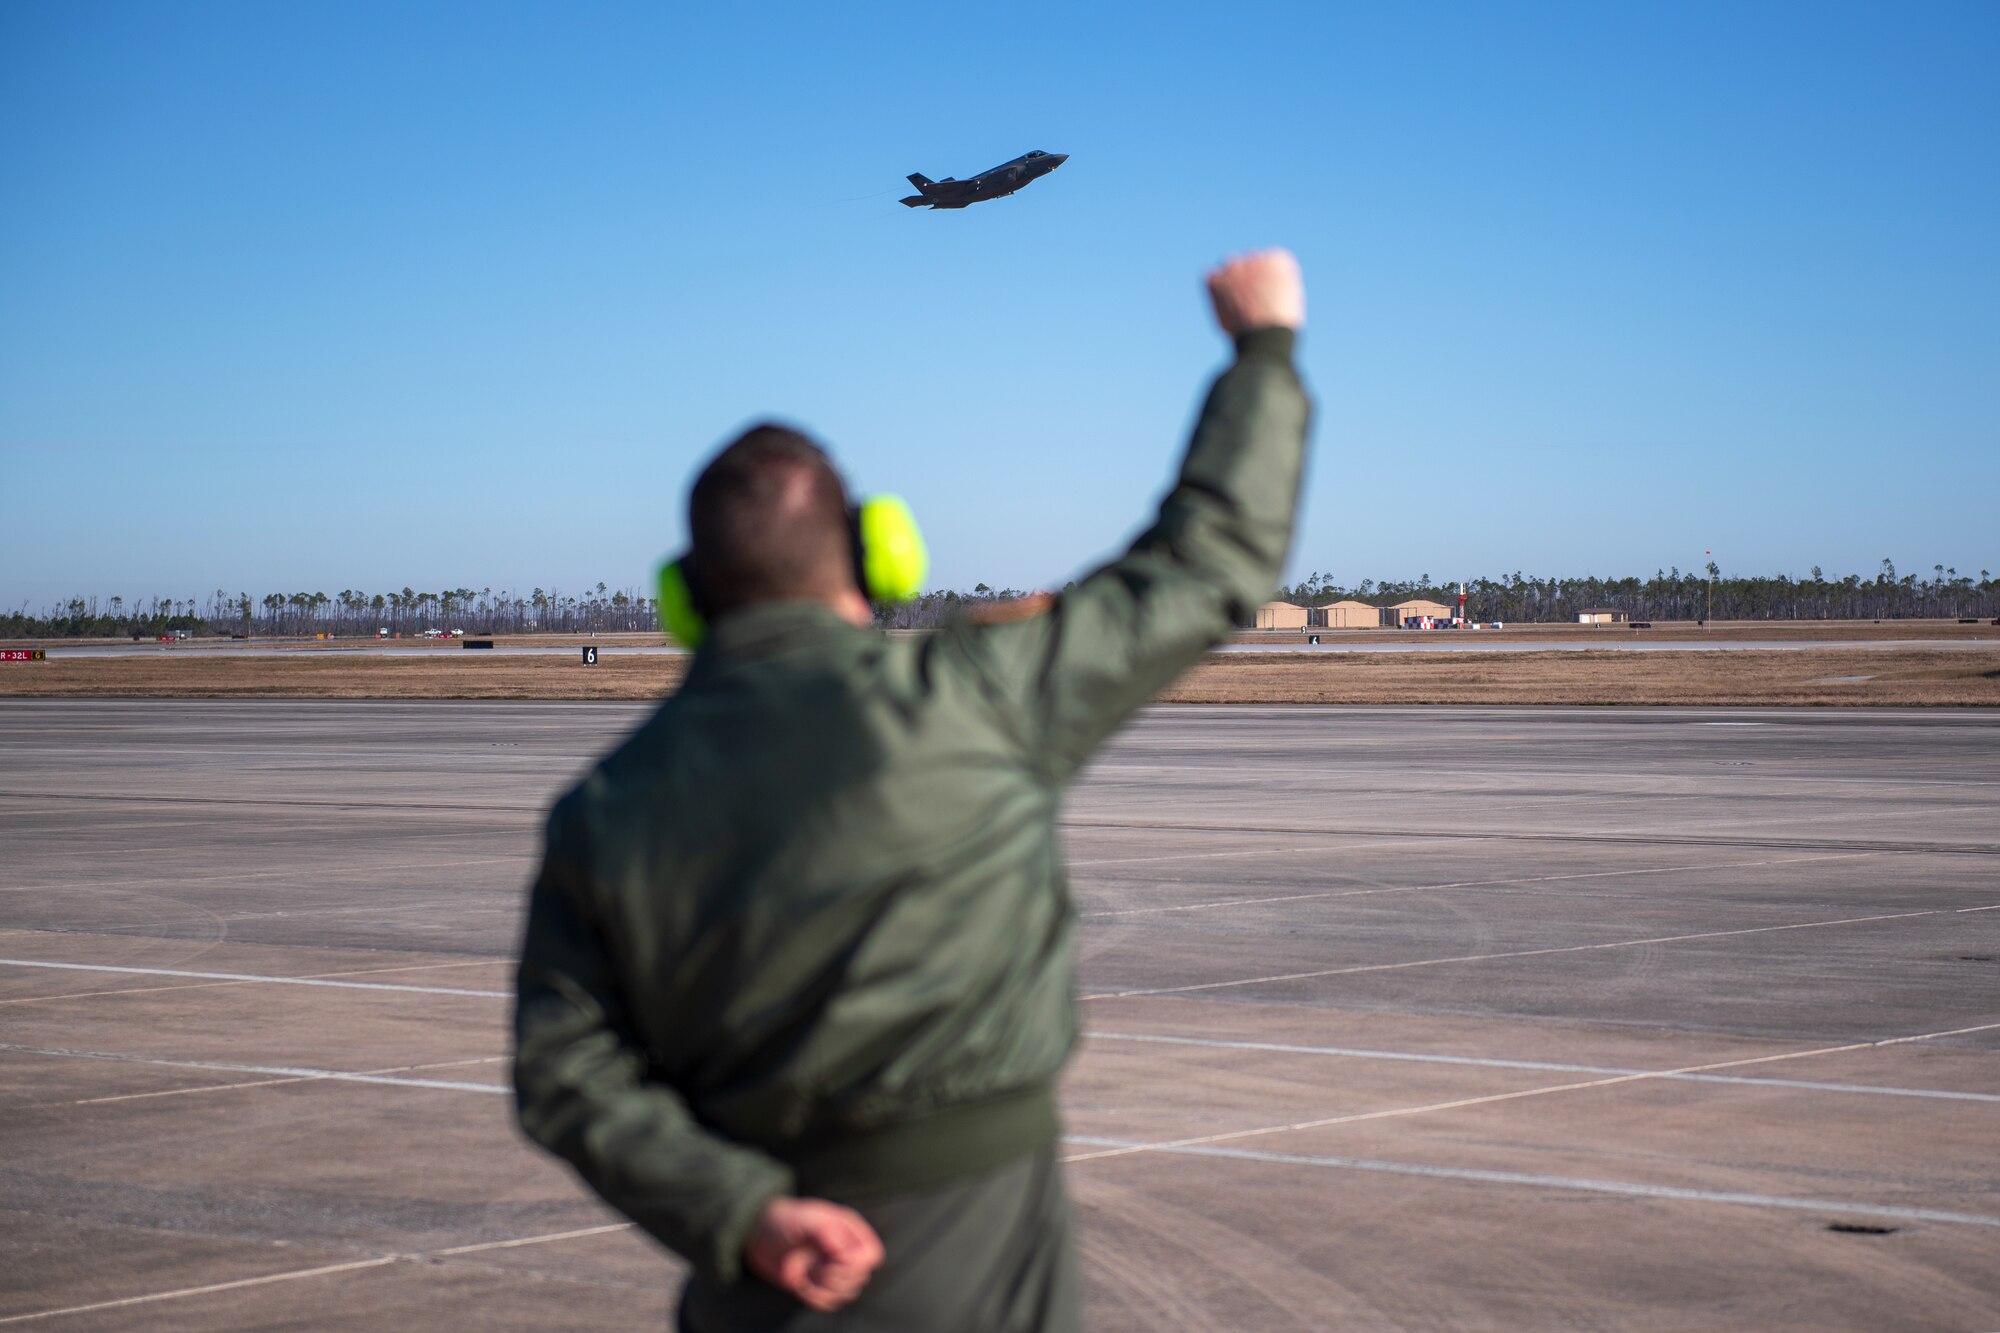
column 1001, row 181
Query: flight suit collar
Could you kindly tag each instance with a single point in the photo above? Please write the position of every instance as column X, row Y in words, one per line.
column 774, row 629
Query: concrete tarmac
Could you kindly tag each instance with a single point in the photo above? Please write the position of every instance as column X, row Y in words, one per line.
column 1474, row 1019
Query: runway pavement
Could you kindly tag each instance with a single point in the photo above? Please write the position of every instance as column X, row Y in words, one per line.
column 1473, row 1019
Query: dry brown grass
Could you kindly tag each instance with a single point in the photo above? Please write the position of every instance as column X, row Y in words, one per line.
column 1925, row 677
column 1897, row 676
column 338, row 675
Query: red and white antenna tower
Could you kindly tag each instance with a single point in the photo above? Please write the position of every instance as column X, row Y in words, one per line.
column 1461, row 603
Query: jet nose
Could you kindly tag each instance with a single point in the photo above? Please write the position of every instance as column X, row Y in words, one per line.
column 1060, row 158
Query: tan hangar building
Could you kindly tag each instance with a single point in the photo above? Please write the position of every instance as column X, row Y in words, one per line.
column 1417, row 606
column 1348, row 615
column 1282, row 615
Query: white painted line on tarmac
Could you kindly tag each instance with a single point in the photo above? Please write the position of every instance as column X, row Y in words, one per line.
column 288, row 802
column 1623, row 837
column 1261, row 850
column 1512, row 953
column 389, row 1076
column 285, row 1071
column 323, row 1270
column 314, row 874
column 1482, row 1062
column 1463, row 883
column 277, row 1082
column 1692, row 780
column 123, row 990
column 1519, row 1094
column 1625, row 1187
column 516, row 1243
column 219, row 985
column 1931, row 1036
column 459, row 911
column 245, row 976
column 417, row 967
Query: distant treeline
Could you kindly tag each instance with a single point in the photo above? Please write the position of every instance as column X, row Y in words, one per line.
column 1668, row 595
column 938, row 608
column 349, row 612
column 1672, row 594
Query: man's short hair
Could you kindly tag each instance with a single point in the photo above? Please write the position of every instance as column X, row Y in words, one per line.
column 768, row 523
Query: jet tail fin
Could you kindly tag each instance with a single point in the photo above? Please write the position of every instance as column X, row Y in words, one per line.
column 920, row 181
column 913, row 201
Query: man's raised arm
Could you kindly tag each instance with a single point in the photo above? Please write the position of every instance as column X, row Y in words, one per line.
column 1214, row 553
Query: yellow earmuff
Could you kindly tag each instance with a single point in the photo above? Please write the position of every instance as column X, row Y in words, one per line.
column 891, row 563
column 678, row 617
column 894, row 559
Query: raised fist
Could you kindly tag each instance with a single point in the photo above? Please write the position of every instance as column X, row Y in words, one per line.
column 1258, row 291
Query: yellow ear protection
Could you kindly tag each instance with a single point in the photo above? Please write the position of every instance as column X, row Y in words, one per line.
column 890, row 565
column 678, row 617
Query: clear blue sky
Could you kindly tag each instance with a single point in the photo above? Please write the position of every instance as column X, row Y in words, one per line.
column 307, row 296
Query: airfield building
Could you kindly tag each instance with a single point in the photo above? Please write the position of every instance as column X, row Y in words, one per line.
column 1282, row 615
column 1347, row 615
column 1602, row 615
column 1417, row 609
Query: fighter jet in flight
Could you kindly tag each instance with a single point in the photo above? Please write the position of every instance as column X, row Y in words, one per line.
column 1000, row 181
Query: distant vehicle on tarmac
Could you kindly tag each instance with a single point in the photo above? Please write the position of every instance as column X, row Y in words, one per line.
column 996, row 183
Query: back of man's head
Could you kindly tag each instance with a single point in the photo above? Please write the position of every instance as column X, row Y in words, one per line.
column 768, row 523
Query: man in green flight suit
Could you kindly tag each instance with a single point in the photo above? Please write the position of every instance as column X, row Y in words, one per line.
column 796, row 983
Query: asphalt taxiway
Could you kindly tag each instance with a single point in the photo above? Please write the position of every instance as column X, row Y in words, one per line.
column 1397, row 1018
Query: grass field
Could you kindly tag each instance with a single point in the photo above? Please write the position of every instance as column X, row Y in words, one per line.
column 1804, row 676
column 1828, row 676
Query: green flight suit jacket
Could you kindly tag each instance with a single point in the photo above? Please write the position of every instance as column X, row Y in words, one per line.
column 807, row 930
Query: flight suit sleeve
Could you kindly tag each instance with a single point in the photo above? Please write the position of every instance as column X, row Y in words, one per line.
column 1110, row 642
column 582, row 1091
